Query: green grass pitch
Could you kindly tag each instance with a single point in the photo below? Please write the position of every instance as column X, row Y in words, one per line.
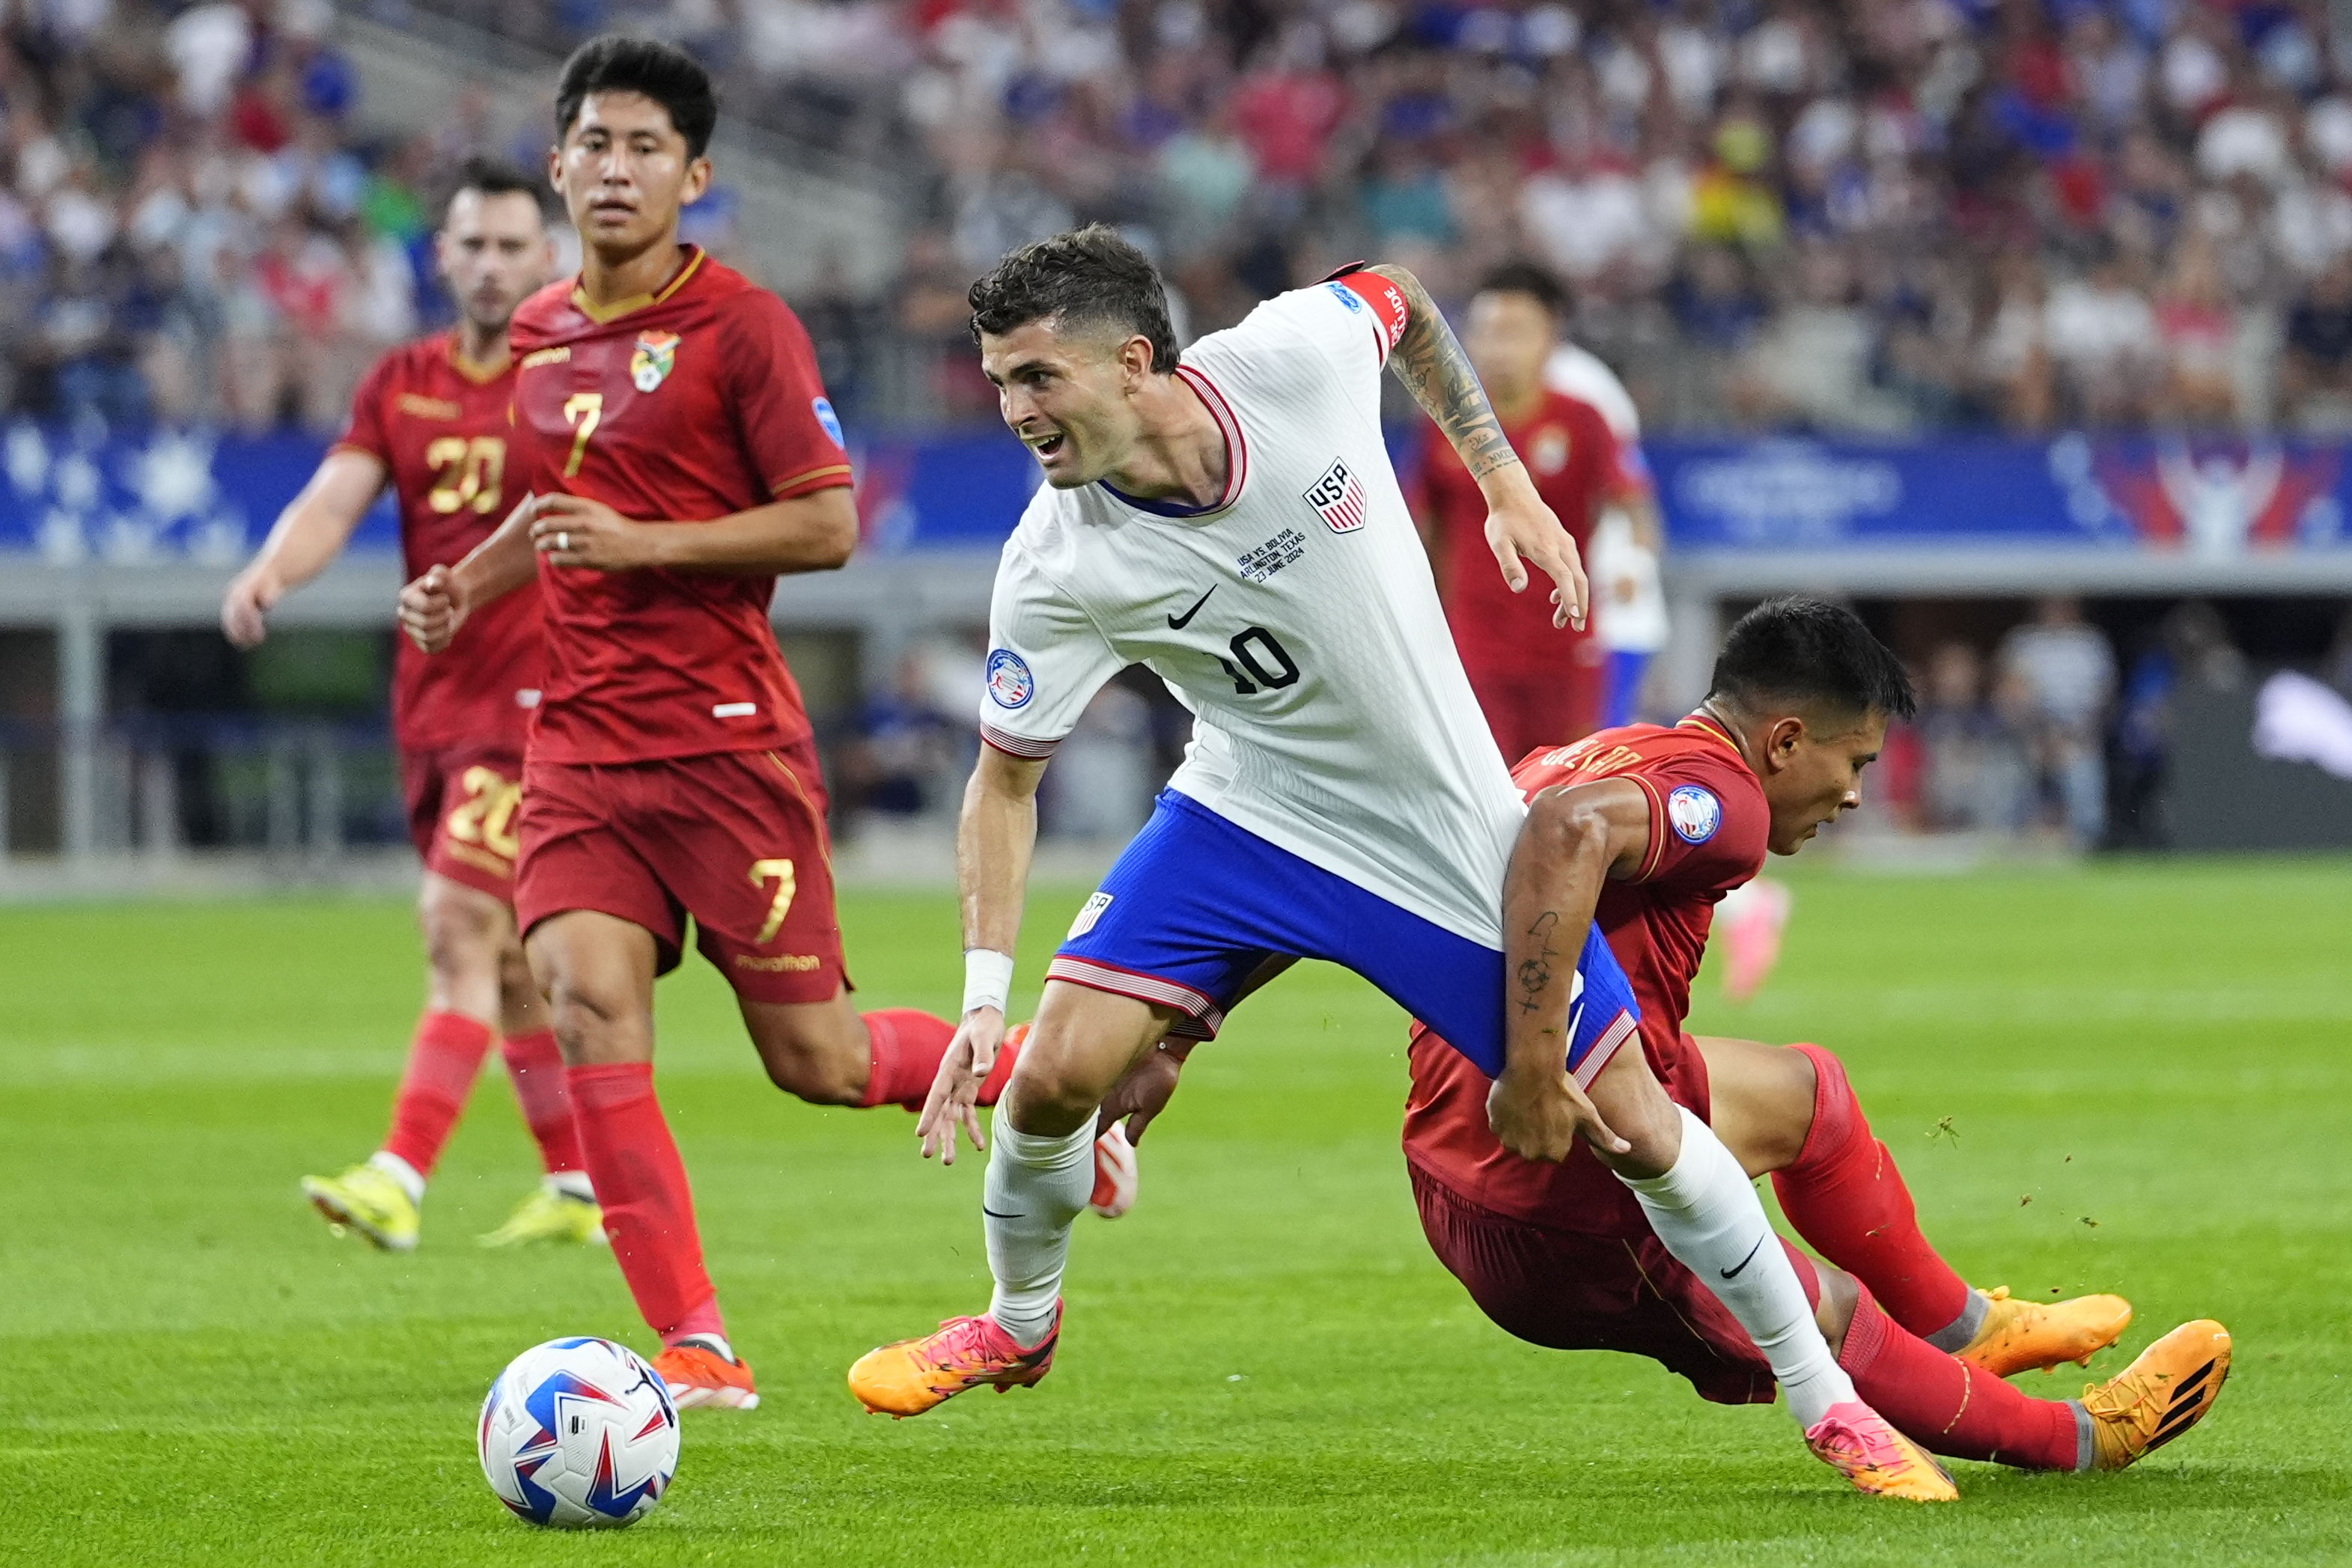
column 1262, row 1362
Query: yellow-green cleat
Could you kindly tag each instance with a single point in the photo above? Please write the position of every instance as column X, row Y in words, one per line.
column 550, row 1215
column 367, row 1200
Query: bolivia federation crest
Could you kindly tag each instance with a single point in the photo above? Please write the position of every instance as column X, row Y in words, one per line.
column 655, row 357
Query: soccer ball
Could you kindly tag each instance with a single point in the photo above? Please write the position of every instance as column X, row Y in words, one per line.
column 579, row 1433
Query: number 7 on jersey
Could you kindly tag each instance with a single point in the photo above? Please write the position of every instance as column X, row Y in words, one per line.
column 582, row 411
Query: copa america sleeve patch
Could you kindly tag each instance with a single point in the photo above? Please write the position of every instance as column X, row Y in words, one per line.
column 1010, row 684
column 823, row 408
column 1694, row 812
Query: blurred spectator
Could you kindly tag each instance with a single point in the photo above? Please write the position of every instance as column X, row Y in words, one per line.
column 2317, row 374
column 2191, row 649
column 1973, row 767
column 2103, row 344
column 2064, row 675
column 908, row 752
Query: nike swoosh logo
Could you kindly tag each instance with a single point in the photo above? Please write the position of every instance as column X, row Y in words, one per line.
column 1734, row 1273
column 994, row 1214
column 1178, row 623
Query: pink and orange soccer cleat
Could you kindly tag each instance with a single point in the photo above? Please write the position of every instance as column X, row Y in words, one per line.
column 910, row 1377
column 2019, row 1336
column 698, row 1375
column 1855, row 1441
column 1114, row 1173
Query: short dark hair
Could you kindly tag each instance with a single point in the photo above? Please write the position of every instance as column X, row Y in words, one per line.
column 1805, row 651
column 1526, row 277
column 662, row 72
column 494, row 177
column 1092, row 277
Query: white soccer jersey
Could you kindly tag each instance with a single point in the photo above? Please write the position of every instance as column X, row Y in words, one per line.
column 1297, row 618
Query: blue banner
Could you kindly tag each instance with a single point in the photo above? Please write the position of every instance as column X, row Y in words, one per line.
column 2209, row 498
column 72, row 495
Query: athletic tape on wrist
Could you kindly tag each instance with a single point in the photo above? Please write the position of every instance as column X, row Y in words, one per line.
column 987, row 979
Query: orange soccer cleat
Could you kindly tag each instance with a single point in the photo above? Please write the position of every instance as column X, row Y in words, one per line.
column 2162, row 1395
column 1855, row 1441
column 910, row 1377
column 698, row 1375
column 2019, row 1336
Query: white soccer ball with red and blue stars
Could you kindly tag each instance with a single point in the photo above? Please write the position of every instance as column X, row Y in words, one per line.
column 578, row 1433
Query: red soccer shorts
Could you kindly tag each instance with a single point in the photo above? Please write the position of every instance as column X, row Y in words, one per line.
column 735, row 839
column 1573, row 1291
column 1550, row 704
column 462, row 802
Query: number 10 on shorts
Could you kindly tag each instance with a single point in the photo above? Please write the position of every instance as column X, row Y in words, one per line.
column 785, row 887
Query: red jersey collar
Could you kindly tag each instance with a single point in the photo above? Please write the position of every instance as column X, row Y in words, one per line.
column 600, row 314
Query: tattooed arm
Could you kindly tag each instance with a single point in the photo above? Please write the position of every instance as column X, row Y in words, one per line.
column 1575, row 838
column 1433, row 368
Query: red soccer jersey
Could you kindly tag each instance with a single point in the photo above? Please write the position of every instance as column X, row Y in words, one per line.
column 1708, row 832
column 1571, row 454
column 694, row 402
column 438, row 424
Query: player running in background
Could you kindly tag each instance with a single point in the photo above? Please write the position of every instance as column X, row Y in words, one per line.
column 1232, row 521
column 1629, row 621
column 1535, row 689
column 680, row 454
column 431, row 421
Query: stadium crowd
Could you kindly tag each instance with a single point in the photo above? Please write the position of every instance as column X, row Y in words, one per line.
column 1871, row 214
column 1875, row 215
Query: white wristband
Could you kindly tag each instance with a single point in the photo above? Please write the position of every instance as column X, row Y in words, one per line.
column 987, row 979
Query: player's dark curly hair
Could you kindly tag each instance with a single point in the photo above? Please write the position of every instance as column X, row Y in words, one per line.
column 1087, row 278
column 495, row 177
column 1806, row 651
column 662, row 72
column 1535, row 282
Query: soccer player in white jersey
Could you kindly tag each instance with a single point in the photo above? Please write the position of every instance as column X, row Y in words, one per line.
column 1234, row 523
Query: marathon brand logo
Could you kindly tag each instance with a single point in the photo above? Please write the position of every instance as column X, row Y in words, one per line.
column 428, row 407
column 655, row 357
column 1338, row 499
column 546, row 357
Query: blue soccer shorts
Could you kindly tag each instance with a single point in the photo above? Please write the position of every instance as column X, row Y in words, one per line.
column 1196, row 905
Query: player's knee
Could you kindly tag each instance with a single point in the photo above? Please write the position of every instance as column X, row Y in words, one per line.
column 463, row 929
column 519, row 991
column 1049, row 1096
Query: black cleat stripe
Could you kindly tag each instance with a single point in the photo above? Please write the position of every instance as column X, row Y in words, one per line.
column 2180, row 1421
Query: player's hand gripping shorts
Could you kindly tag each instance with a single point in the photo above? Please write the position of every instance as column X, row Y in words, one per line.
column 462, row 805
column 735, row 839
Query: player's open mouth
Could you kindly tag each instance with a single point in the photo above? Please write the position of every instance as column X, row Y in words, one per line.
column 1046, row 445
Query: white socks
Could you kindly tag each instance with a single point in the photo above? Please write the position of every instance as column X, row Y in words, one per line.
column 1036, row 1188
column 411, row 1179
column 1709, row 1217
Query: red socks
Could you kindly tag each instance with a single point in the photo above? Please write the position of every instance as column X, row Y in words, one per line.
column 1950, row 1407
column 536, row 1065
column 444, row 1060
column 1845, row 1197
column 907, row 1044
column 649, row 1210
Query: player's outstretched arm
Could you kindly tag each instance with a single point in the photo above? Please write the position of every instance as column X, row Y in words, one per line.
column 815, row 532
column 1574, row 839
column 994, row 838
column 1433, row 366
column 432, row 607
column 309, row 535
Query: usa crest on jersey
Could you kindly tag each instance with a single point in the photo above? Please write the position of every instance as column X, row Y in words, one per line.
column 655, row 357
column 1338, row 499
